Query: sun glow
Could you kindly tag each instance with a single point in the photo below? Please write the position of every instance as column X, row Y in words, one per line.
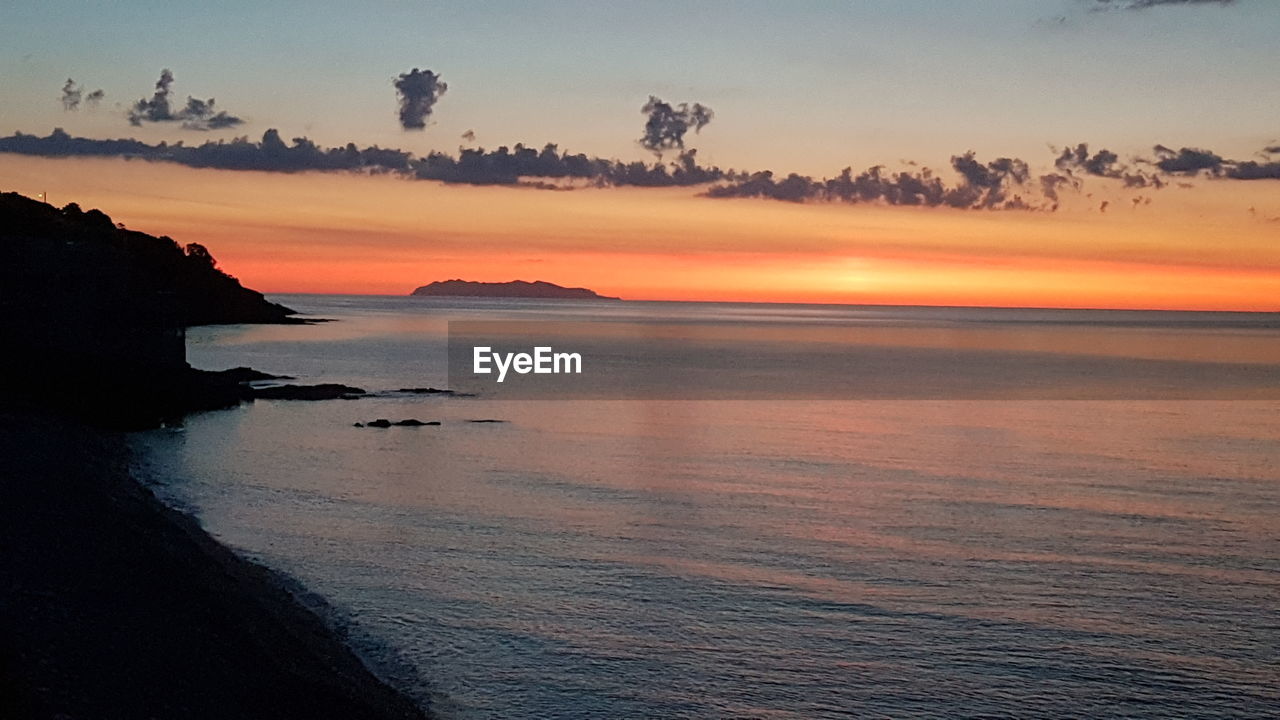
column 376, row 235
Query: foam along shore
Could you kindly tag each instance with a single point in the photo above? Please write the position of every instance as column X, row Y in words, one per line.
column 116, row 606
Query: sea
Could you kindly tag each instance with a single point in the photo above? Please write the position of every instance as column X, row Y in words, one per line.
column 1100, row 538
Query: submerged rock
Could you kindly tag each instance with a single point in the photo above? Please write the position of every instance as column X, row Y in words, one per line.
column 323, row 391
column 442, row 392
column 385, row 423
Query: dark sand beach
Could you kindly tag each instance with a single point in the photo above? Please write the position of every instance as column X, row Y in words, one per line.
column 116, row 606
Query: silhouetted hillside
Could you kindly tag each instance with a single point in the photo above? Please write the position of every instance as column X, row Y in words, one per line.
column 41, row 247
column 92, row 317
column 513, row 289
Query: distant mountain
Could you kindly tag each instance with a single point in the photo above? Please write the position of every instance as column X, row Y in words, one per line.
column 513, row 289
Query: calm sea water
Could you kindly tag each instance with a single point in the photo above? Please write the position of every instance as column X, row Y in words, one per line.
column 929, row 557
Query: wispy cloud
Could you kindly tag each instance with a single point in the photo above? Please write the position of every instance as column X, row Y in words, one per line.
column 197, row 114
column 73, row 95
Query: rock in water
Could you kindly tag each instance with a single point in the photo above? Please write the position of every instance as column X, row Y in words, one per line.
column 323, row 391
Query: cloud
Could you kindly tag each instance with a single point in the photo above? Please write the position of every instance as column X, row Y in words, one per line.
column 201, row 115
column 1051, row 183
column 986, row 185
column 1004, row 183
column 1077, row 161
column 418, row 92
column 667, row 124
column 511, row 166
column 155, row 109
column 1146, row 4
column 1194, row 161
column 1187, row 161
column 504, row 166
column 1251, row 170
column 197, row 114
column 73, row 94
column 270, row 154
column 1103, row 163
column 981, row 186
column 1000, row 184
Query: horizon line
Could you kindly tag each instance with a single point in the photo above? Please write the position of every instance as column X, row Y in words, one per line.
column 420, row 298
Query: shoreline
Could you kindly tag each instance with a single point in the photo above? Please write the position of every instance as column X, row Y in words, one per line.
column 117, row 605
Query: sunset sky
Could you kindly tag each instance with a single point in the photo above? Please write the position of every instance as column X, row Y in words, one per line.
column 797, row 87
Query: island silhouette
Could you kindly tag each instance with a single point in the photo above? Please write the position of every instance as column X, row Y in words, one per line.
column 515, row 289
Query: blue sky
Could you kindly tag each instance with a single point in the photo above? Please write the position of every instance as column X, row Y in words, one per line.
column 810, row 87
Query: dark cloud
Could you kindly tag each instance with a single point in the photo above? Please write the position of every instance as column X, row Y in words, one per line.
column 504, row 166
column 510, row 166
column 1273, row 150
column 418, row 91
column 1251, row 170
column 155, row 109
column 271, row 154
column 1000, row 184
column 1195, row 161
column 73, row 94
column 667, row 124
column 1103, row 163
column 197, row 114
column 201, row 115
column 1005, row 183
column 1077, row 161
column 1146, row 4
column 986, row 185
column 982, row 186
column 1187, row 161
column 469, row 136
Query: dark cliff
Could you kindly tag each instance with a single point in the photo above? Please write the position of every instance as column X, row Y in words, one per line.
column 93, row 317
column 46, row 251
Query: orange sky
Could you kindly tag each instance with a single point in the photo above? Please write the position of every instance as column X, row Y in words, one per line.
column 1189, row 249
